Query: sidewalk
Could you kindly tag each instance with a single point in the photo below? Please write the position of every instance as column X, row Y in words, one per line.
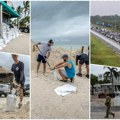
column 98, row 109
column 19, row 45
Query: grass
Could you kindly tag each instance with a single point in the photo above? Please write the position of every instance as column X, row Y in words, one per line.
column 102, row 54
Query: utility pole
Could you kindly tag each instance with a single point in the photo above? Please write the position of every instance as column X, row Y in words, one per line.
column 1, row 18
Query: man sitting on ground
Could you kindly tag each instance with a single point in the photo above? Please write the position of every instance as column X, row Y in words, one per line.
column 44, row 54
column 82, row 58
column 69, row 70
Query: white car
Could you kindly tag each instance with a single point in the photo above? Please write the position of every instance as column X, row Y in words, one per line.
column 4, row 89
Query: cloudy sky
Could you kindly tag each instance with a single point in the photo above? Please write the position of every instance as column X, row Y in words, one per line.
column 99, row 69
column 6, row 61
column 17, row 3
column 64, row 22
column 105, row 8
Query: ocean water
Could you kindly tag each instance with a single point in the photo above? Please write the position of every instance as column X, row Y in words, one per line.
column 68, row 47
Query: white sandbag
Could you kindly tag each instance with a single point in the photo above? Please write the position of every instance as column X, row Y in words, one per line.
column 10, row 103
column 65, row 90
column 55, row 75
column 117, row 101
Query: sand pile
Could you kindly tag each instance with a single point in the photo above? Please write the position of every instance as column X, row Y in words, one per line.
column 22, row 113
column 46, row 103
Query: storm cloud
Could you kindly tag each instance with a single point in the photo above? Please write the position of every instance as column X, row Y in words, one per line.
column 64, row 22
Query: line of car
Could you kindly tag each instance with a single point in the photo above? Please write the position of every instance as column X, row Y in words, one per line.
column 111, row 35
column 5, row 89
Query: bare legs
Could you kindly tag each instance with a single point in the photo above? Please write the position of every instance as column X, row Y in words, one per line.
column 38, row 66
column 61, row 74
column 44, row 67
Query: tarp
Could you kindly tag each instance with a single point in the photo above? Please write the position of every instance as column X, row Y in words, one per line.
column 9, row 10
column 65, row 90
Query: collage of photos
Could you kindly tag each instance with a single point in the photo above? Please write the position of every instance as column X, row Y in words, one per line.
column 59, row 59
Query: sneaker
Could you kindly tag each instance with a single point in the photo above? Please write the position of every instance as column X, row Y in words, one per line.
column 79, row 74
column 19, row 105
column 106, row 116
column 113, row 115
column 87, row 76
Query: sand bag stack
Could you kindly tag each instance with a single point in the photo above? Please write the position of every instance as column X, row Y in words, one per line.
column 7, row 34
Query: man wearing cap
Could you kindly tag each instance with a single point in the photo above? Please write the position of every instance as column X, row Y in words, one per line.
column 18, row 70
column 44, row 53
column 69, row 70
column 82, row 59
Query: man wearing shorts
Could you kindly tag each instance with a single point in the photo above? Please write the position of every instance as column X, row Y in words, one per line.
column 83, row 59
column 18, row 70
column 44, row 53
column 69, row 70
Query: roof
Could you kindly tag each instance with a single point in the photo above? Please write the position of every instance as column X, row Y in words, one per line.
column 9, row 10
column 4, row 70
column 6, row 76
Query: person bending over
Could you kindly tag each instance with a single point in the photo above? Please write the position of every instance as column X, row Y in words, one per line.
column 82, row 59
column 44, row 54
column 18, row 70
column 69, row 70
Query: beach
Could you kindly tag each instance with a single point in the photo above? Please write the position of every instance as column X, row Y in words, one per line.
column 46, row 104
column 22, row 113
column 18, row 45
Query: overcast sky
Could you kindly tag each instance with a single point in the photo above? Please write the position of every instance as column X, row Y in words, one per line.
column 105, row 8
column 6, row 61
column 99, row 69
column 64, row 22
column 17, row 3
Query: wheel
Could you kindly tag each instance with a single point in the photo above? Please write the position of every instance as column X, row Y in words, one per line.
column 26, row 30
column 5, row 95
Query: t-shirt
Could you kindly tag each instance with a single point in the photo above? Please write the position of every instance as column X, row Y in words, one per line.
column 18, row 70
column 44, row 48
column 81, row 57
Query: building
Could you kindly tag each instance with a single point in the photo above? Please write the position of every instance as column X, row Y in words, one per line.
column 7, row 33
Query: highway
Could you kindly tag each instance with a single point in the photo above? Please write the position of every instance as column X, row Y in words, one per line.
column 112, row 43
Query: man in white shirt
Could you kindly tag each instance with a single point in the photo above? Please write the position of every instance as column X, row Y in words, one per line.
column 44, row 53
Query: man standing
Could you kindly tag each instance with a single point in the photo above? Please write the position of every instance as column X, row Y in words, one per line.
column 108, row 107
column 69, row 70
column 18, row 70
column 82, row 58
column 44, row 54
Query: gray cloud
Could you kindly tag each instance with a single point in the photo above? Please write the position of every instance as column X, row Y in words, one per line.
column 105, row 8
column 62, row 21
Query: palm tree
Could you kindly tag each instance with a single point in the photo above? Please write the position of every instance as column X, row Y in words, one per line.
column 111, row 74
column 26, row 7
column 20, row 12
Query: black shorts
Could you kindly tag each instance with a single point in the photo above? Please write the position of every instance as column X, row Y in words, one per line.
column 84, row 61
column 41, row 59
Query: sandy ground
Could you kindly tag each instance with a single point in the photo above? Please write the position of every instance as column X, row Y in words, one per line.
column 98, row 109
column 19, row 45
column 47, row 104
column 22, row 113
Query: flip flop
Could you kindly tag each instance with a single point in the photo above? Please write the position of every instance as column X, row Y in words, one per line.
column 63, row 80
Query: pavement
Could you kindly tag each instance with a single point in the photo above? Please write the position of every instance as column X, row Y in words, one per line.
column 98, row 109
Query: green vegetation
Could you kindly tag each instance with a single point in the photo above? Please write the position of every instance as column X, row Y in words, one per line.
column 102, row 54
column 24, row 13
column 111, row 22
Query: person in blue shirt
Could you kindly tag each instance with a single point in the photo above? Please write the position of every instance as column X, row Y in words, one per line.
column 69, row 70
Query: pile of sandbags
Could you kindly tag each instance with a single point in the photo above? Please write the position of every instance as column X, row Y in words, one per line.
column 7, row 34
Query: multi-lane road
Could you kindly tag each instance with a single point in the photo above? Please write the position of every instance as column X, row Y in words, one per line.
column 110, row 42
